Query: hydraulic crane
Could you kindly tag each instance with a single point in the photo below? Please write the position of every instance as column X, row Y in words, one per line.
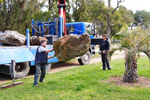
column 62, row 13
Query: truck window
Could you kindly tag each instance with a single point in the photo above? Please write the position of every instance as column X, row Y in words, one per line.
column 89, row 29
column 70, row 29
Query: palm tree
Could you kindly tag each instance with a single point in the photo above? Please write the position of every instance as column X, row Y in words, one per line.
column 132, row 42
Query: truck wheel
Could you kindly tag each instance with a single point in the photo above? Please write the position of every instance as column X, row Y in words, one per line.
column 22, row 69
column 85, row 59
column 48, row 67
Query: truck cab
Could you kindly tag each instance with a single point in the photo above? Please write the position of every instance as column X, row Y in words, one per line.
column 80, row 28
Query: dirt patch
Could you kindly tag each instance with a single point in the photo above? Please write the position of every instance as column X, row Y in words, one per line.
column 143, row 82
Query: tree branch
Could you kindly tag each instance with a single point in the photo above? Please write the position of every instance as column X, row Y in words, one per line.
column 51, row 4
column 118, row 4
column 21, row 3
column 101, row 9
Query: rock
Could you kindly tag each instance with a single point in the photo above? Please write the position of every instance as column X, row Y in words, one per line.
column 34, row 40
column 12, row 38
column 71, row 46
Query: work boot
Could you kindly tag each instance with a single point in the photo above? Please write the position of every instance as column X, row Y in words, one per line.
column 109, row 68
column 42, row 81
column 36, row 85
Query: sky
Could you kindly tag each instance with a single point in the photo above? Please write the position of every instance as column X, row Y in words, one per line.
column 133, row 4
column 129, row 4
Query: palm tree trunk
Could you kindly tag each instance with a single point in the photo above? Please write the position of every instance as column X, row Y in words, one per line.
column 130, row 74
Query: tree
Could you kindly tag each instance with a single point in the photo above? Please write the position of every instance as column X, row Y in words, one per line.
column 51, row 13
column 99, row 14
column 142, row 18
column 50, row 2
column 68, row 10
column 108, row 12
column 81, row 13
column 17, row 14
column 132, row 42
column 127, row 15
column 53, row 10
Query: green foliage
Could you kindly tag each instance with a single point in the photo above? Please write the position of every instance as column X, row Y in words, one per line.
column 53, row 13
column 112, row 51
column 81, row 83
column 134, row 41
column 91, row 12
column 97, row 17
column 142, row 18
column 17, row 14
column 81, row 14
column 127, row 15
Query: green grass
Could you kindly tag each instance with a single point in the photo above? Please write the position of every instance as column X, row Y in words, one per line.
column 82, row 83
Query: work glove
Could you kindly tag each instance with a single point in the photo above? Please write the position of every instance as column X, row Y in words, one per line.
column 104, row 52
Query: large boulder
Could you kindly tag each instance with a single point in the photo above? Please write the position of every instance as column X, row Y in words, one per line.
column 34, row 40
column 71, row 46
column 12, row 38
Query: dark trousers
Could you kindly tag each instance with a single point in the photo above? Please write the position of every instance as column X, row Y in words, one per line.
column 105, row 61
column 39, row 68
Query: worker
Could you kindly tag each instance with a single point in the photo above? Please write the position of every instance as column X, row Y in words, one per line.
column 104, row 47
column 40, row 62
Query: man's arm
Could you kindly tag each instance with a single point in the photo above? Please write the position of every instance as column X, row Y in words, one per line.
column 50, row 57
column 48, row 50
column 42, row 49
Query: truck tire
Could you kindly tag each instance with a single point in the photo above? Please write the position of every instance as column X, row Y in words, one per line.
column 22, row 69
column 85, row 59
column 48, row 67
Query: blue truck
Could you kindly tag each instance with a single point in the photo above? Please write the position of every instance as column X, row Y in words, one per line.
column 25, row 55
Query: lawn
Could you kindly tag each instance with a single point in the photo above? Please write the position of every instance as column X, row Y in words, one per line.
column 83, row 83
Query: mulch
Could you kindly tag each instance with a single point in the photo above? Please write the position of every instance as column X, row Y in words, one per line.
column 143, row 82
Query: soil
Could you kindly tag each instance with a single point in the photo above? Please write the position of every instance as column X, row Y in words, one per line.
column 143, row 82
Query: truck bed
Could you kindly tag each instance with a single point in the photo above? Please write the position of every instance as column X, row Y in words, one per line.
column 24, row 46
column 22, row 54
column 18, row 53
